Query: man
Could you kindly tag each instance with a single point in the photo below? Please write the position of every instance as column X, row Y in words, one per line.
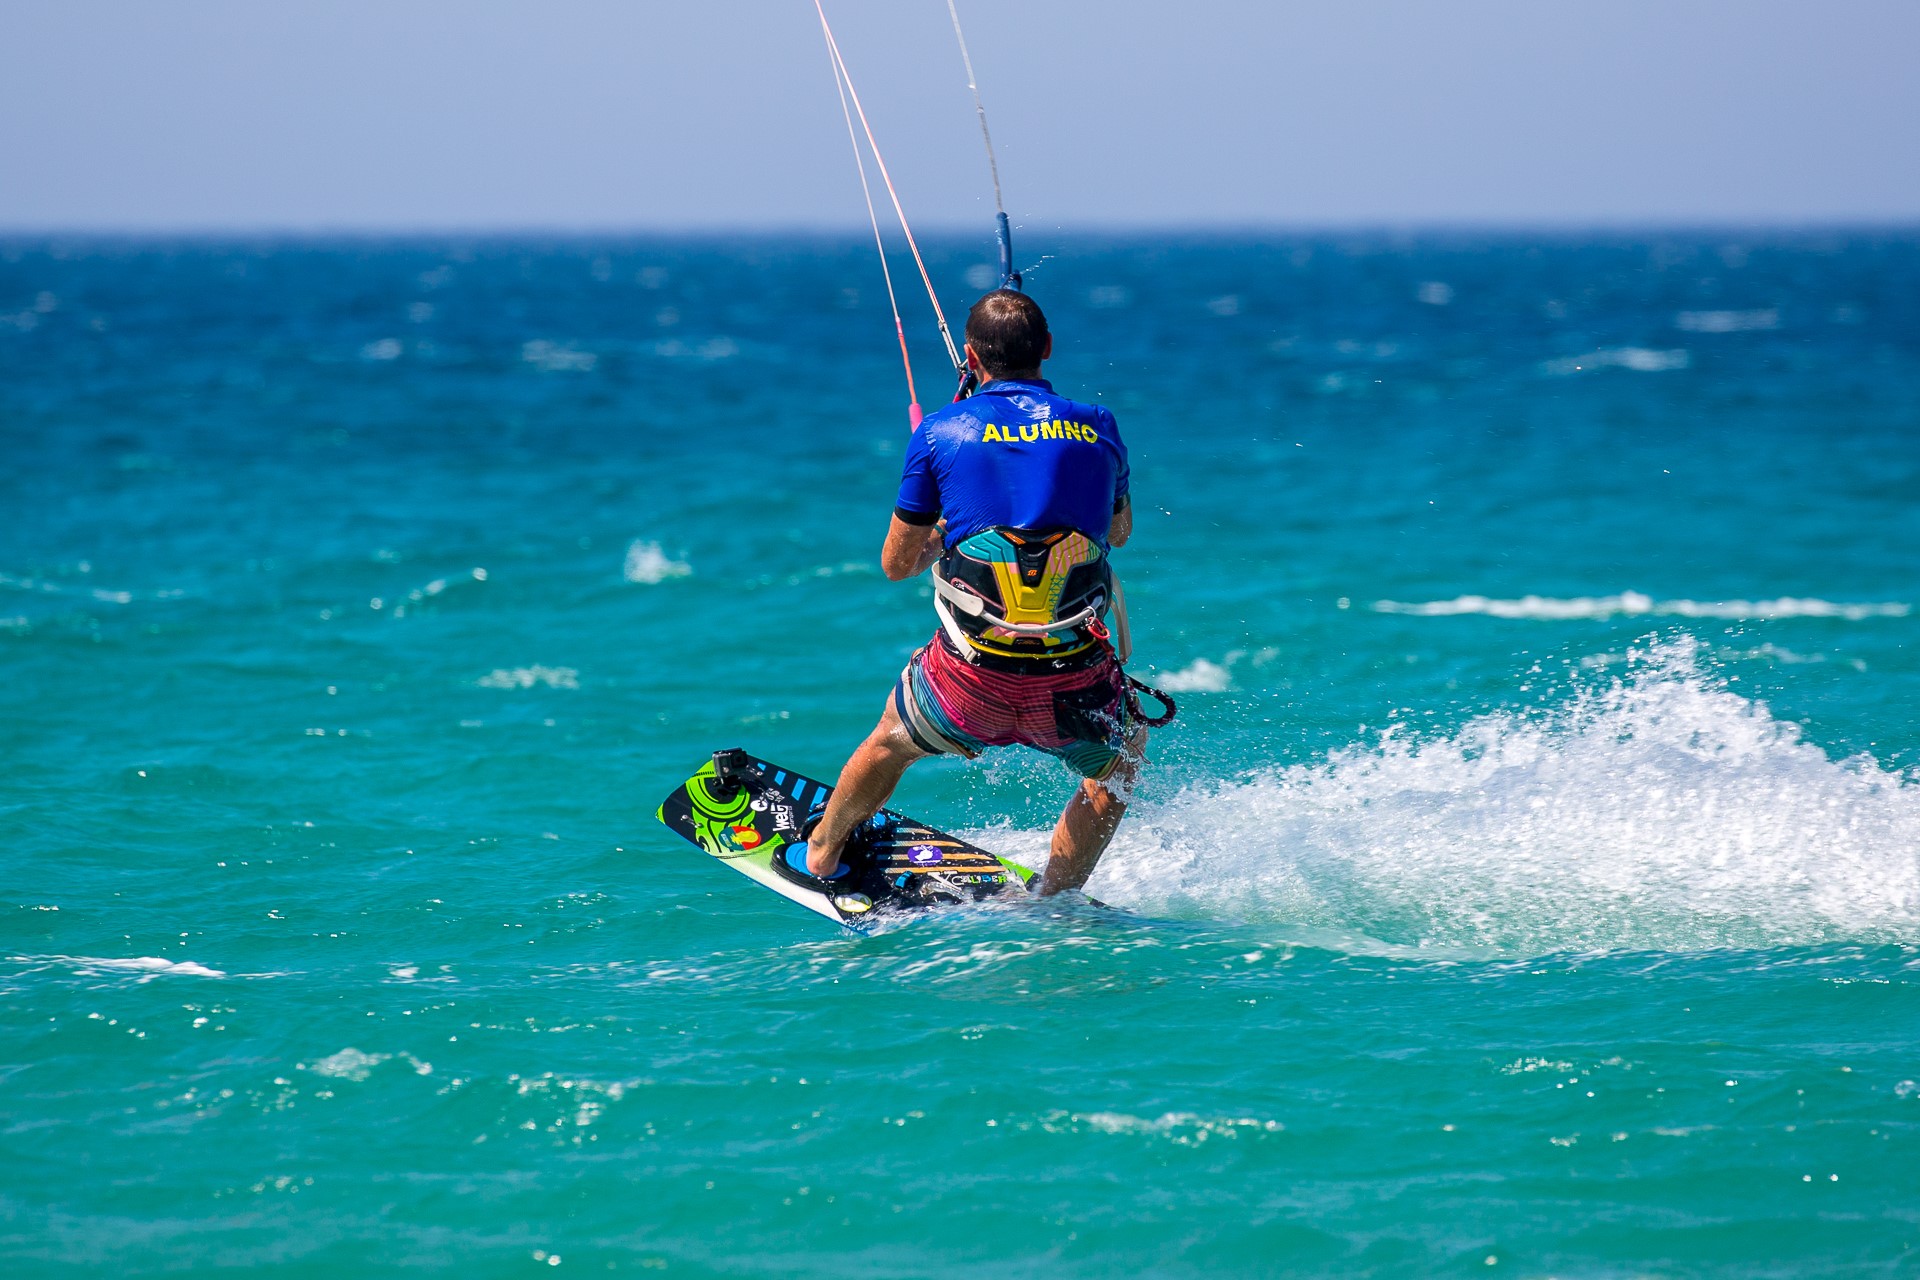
column 1017, row 494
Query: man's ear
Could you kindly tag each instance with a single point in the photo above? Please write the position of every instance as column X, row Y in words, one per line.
column 1047, row 354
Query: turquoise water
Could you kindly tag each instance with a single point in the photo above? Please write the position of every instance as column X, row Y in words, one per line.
column 1530, row 885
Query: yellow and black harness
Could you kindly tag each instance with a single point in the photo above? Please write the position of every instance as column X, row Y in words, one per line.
column 1009, row 596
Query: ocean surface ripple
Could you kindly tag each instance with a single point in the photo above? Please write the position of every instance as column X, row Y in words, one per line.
column 1530, row 884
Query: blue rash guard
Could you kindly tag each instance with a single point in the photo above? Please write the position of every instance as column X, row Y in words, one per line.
column 1015, row 454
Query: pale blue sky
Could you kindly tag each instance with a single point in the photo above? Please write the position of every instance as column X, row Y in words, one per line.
column 614, row 114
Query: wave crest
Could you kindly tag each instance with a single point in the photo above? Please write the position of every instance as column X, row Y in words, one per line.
column 647, row 563
column 1634, row 605
column 1659, row 811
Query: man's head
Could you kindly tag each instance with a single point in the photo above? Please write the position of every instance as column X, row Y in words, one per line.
column 1007, row 336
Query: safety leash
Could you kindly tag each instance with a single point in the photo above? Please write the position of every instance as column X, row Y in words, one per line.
column 1135, row 687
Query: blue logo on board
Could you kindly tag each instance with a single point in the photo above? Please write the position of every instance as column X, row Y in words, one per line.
column 924, row 855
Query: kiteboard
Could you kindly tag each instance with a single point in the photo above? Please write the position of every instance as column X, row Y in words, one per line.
column 747, row 813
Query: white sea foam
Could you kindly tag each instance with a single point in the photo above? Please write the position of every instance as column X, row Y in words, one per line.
column 348, row 1064
column 1659, row 810
column 1634, row 604
column 1639, row 359
column 527, row 677
column 1200, row 677
column 25, row 584
column 148, row 967
column 647, row 563
column 1788, row 657
column 720, row 348
column 1726, row 321
column 554, row 357
column 106, row 594
column 1182, row 1128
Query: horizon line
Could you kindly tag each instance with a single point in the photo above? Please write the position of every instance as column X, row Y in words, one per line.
column 954, row 230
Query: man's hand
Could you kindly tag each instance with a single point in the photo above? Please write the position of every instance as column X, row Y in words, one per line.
column 910, row 548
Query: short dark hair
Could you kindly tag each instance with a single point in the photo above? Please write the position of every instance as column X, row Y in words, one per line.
column 1007, row 330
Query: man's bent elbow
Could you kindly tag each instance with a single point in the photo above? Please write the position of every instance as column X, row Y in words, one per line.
column 900, row 558
column 908, row 549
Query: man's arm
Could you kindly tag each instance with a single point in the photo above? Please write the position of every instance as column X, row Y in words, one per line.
column 1122, row 527
column 910, row 548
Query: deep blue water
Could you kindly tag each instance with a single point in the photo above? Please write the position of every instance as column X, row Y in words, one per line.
column 1530, row 884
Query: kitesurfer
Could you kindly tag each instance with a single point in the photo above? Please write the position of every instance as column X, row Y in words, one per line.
column 1014, row 495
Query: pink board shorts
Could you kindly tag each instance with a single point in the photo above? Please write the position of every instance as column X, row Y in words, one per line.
column 953, row 707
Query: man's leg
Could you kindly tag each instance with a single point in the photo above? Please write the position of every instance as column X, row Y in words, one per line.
column 866, row 781
column 1091, row 817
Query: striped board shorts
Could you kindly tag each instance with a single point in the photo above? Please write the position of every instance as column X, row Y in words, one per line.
column 952, row 707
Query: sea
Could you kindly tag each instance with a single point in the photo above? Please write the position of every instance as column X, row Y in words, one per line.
column 1528, row 887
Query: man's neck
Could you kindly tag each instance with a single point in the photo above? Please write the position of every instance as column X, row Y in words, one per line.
column 1025, row 375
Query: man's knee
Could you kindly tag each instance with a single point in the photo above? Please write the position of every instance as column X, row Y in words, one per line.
column 1106, row 796
column 1115, row 788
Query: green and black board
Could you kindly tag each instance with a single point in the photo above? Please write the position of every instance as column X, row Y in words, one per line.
column 746, row 812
